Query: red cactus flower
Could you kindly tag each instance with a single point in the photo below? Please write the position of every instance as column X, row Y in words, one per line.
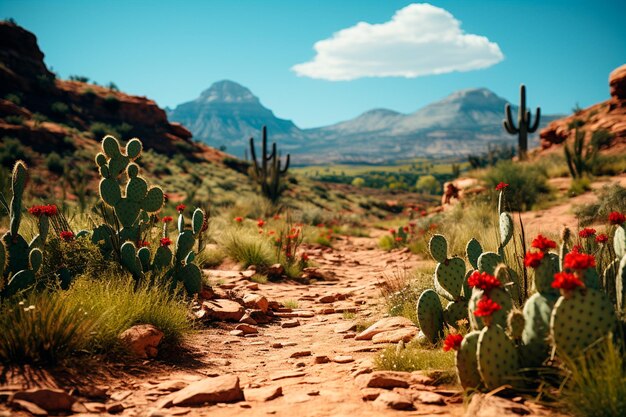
column 166, row 241
column 533, row 259
column 424, row 213
column 167, row 219
column 501, row 186
column 143, row 244
column 486, row 307
column 406, row 229
column 602, row 238
column 67, row 235
column 617, row 218
column 452, row 342
column 36, row 211
column 305, row 257
column 566, row 281
column 577, row 248
column 543, row 243
column 483, row 280
column 47, row 210
column 260, row 223
column 238, row 219
column 587, row 232
column 271, row 232
column 399, row 239
column 180, row 208
column 392, row 231
column 578, row 261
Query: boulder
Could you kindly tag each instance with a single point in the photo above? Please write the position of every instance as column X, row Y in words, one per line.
column 142, row 340
column 256, row 301
column 405, row 334
column 221, row 389
column 617, row 82
column 263, row 394
column 393, row 400
column 384, row 379
column 49, row 399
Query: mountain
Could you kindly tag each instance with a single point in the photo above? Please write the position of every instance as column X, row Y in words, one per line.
column 464, row 122
column 227, row 114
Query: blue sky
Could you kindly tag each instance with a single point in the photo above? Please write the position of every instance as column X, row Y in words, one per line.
column 170, row 51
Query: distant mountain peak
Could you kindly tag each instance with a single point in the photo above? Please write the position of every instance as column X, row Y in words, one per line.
column 381, row 112
column 227, row 91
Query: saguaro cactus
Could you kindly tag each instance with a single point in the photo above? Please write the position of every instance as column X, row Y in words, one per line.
column 524, row 125
column 268, row 173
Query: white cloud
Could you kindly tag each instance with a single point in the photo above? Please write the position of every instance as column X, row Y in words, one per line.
column 419, row 40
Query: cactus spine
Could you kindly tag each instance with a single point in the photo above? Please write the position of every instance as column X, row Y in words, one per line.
column 268, row 172
column 524, row 125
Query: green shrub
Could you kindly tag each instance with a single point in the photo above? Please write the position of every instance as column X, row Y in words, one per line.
column 43, row 328
column 610, row 198
column 14, row 119
column 13, row 98
column 59, row 108
column 527, row 182
column 427, row 184
column 579, row 186
column 80, row 78
column 54, row 163
column 111, row 103
column 246, row 249
column 12, row 150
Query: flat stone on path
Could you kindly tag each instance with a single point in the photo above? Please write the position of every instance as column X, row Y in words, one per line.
column 343, row 359
column 300, row 354
column 483, row 405
column 47, row 398
column 393, row 400
column 384, row 325
column 405, row 334
column 263, row 394
column 223, row 310
column 289, row 324
column 284, row 375
column 221, row 389
column 384, row 379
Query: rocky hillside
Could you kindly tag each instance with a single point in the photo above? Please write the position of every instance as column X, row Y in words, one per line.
column 48, row 114
column 227, row 114
column 608, row 118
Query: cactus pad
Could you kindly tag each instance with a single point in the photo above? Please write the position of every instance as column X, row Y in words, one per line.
column 450, row 275
column 438, row 246
column 133, row 148
column 473, row 251
column 162, row 258
column 544, row 275
column 498, row 360
column 110, row 191
column 197, row 220
column 191, row 277
column 620, row 285
column 580, row 320
column 537, row 311
column 136, row 189
column 154, row 200
column 430, row 315
column 35, row 259
column 467, row 362
column 506, row 228
column 454, row 312
column 488, row 261
column 19, row 282
column 127, row 211
column 619, row 241
column 16, row 252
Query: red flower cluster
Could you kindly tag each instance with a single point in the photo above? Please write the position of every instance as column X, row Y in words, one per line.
column 486, row 307
column 260, row 223
column 543, row 243
column 453, row 341
column 305, row 257
column 587, row 232
column 180, row 208
column 483, row 280
column 238, row 219
column 167, row 219
column 501, row 186
column 392, row 231
column 577, row 260
column 67, row 235
column 617, row 218
column 166, row 241
column 533, row 259
column 143, row 244
column 49, row 210
column 602, row 238
column 566, row 281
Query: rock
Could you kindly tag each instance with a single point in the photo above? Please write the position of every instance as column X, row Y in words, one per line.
column 263, row 394
column 221, row 389
column 319, row 359
column 78, row 408
column 482, row 405
column 32, row 408
column 259, row 316
column 236, row 333
column 223, row 310
column 142, row 340
column 460, row 189
column 384, row 325
column 370, row 394
column 284, row 375
column 246, row 328
column 114, row 408
column 395, row 336
column 248, row 319
column 306, row 314
column 429, row 398
column 343, row 359
column 350, row 335
column 393, row 400
column 275, row 271
column 317, row 274
column 300, row 354
column 51, row 400
column 90, row 391
column 327, row 299
column 345, row 327
column 384, row 379
column 617, row 82
column 94, row 407
column 289, row 324
column 256, row 301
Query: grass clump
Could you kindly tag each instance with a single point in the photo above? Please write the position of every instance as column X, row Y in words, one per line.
column 291, row 303
column 413, row 357
column 527, row 180
column 246, row 249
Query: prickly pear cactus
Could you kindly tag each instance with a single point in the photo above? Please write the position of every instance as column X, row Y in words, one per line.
column 620, row 285
column 498, row 361
column 467, row 362
column 506, row 228
column 438, row 246
column 515, row 323
column 488, row 261
column 473, row 251
column 430, row 315
column 450, row 275
column 619, row 241
column 454, row 312
column 544, row 275
column 535, row 348
column 499, row 317
column 578, row 321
